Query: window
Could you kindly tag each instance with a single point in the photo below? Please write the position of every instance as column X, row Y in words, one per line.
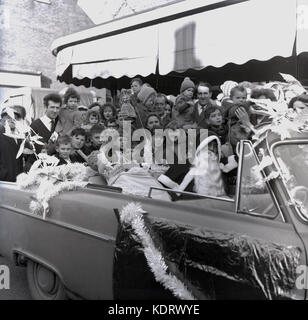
column 254, row 194
column 292, row 160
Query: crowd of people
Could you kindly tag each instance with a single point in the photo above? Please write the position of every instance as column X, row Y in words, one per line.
column 75, row 133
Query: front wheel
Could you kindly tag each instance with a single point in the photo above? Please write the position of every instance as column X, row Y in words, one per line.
column 43, row 283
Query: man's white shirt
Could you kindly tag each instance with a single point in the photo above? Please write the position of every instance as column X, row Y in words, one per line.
column 47, row 122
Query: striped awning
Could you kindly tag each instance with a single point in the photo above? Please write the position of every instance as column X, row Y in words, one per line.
column 233, row 31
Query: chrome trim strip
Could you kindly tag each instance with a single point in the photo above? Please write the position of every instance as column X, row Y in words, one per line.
column 190, row 193
column 64, row 225
column 239, row 178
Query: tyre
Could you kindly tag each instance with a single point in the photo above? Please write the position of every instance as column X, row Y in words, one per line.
column 43, row 283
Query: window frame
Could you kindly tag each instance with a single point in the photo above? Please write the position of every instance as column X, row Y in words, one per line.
column 268, row 186
column 298, row 213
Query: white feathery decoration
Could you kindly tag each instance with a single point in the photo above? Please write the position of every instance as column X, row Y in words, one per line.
column 50, row 180
column 284, row 121
column 22, row 131
column 132, row 214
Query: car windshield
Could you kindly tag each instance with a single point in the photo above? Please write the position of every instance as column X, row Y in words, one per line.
column 292, row 160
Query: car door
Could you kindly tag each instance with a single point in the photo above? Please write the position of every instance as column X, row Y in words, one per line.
column 245, row 247
column 291, row 162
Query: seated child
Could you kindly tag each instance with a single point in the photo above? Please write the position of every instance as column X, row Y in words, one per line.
column 124, row 173
column 93, row 117
column 63, row 149
column 94, row 142
column 204, row 176
column 184, row 104
column 78, row 142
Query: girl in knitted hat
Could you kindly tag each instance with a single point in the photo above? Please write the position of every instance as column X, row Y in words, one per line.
column 146, row 98
column 184, row 104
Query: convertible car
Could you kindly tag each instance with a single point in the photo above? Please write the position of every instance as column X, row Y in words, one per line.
column 246, row 246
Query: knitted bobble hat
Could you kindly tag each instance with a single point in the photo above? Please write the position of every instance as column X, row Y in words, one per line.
column 227, row 86
column 186, row 84
column 145, row 93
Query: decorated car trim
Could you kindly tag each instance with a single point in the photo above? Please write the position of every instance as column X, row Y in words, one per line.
column 162, row 259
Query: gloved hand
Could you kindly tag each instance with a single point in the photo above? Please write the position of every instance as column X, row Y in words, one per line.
column 232, row 164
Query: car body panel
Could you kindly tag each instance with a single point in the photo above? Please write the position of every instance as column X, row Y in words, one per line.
column 77, row 238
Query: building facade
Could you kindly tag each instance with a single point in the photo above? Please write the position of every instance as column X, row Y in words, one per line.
column 27, row 29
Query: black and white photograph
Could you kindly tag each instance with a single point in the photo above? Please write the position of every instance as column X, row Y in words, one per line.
column 153, row 150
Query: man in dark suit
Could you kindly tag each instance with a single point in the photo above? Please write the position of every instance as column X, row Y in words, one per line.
column 49, row 126
column 204, row 94
column 10, row 167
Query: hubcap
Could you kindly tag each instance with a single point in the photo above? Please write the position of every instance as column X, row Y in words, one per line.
column 46, row 279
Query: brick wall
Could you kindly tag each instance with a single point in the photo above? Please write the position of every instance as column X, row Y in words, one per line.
column 27, row 29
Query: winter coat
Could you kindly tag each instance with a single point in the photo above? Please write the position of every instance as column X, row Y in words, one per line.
column 10, row 167
column 141, row 115
column 220, row 131
column 184, row 110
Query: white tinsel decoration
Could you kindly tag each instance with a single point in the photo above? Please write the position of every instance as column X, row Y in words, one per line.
column 49, row 191
column 50, row 180
column 132, row 214
column 284, row 121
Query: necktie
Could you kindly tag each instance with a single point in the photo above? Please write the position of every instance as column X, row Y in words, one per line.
column 53, row 125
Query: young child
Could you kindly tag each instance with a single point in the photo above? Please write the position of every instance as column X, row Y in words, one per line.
column 204, row 176
column 184, row 104
column 214, row 119
column 78, row 137
column 166, row 117
column 238, row 96
column 239, row 125
column 93, row 118
column 299, row 104
column 108, row 112
column 153, row 122
column 226, row 88
column 112, row 123
column 63, row 149
column 95, row 142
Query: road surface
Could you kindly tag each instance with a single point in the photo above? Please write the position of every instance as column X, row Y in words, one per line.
column 18, row 282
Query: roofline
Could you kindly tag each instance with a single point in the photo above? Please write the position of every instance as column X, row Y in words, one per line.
column 34, row 73
column 150, row 17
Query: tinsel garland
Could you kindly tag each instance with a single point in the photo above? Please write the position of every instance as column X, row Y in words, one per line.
column 43, row 196
column 49, row 181
column 131, row 214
